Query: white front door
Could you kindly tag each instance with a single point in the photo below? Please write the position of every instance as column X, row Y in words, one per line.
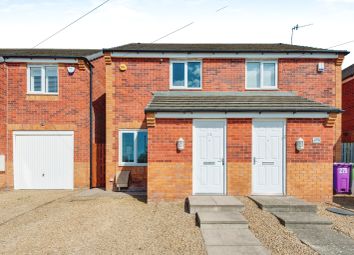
column 43, row 159
column 209, row 156
column 267, row 157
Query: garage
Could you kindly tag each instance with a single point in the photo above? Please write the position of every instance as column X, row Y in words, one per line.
column 43, row 159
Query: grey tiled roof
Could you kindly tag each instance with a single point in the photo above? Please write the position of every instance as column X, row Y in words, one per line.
column 348, row 72
column 175, row 101
column 220, row 48
column 68, row 53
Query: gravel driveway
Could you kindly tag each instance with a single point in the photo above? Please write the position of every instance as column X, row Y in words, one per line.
column 344, row 224
column 277, row 238
column 76, row 222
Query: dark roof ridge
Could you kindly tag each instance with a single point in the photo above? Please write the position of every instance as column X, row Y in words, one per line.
column 220, row 48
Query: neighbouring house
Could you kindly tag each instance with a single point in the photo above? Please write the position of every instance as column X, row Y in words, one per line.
column 348, row 104
column 235, row 119
column 224, row 119
column 45, row 118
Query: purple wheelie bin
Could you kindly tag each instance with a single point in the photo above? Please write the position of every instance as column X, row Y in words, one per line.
column 341, row 177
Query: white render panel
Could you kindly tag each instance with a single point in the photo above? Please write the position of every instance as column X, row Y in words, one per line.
column 43, row 159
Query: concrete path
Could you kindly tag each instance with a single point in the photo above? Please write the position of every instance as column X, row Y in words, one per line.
column 224, row 229
column 312, row 229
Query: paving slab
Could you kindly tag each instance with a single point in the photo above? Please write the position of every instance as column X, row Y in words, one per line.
column 326, row 240
column 283, row 204
column 221, row 218
column 236, row 250
column 229, row 237
column 214, row 203
column 301, row 219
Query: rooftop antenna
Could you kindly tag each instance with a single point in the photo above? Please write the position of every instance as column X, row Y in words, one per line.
column 297, row 28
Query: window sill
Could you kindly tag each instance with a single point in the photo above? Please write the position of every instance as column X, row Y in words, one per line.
column 132, row 164
column 186, row 88
column 262, row 89
column 42, row 97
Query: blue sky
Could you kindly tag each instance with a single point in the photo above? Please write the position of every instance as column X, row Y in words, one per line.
column 24, row 23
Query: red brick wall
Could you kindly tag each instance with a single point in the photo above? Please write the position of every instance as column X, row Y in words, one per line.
column 309, row 172
column 99, row 123
column 3, row 110
column 131, row 93
column 239, row 156
column 169, row 171
column 301, row 76
column 67, row 111
column 99, row 100
column 348, row 115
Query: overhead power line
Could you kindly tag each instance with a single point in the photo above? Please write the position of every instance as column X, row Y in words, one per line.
column 296, row 27
column 340, row 44
column 178, row 29
column 62, row 29
column 185, row 26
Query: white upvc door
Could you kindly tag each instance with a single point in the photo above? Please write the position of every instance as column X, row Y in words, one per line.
column 43, row 159
column 209, row 156
column 268, row 157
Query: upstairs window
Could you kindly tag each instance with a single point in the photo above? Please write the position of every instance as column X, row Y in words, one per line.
column 186, row 75
column 42, row 79
column 133, row 147
column 261, row 75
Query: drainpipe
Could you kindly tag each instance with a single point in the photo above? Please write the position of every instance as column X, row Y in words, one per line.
column 91, row 121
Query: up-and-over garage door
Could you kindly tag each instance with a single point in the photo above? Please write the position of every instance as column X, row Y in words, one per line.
column 43, row 159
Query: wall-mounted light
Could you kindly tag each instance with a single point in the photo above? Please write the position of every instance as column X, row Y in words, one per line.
column 300, row 144
column 180, row 144
column 123, row 67
column 71, row 70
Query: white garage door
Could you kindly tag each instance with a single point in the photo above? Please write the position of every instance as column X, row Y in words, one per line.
column 43, row 159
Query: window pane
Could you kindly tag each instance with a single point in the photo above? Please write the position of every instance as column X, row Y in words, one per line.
column 178, row 74
column 36, row 79
column 128, row 147
column 193, row 74
column 51, row 76
column 253, row 75
column 269, row 74
column 142, row 147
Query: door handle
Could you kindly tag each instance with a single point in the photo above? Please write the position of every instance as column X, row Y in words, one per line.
column 254, row 160
column 268, row 163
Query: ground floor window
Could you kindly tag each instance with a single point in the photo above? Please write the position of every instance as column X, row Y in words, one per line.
column 133, row 147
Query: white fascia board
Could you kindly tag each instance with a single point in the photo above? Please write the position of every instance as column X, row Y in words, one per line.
column 223, row 55
column 265, row 115
column 42, row 60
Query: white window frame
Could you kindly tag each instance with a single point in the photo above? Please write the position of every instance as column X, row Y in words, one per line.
column 120, row 152
column 262, row 87
column 44, row 83
column 185, row 62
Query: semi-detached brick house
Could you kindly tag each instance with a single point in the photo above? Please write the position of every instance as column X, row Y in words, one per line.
column 348, row 104
column 196, row 118
column 237, row 109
